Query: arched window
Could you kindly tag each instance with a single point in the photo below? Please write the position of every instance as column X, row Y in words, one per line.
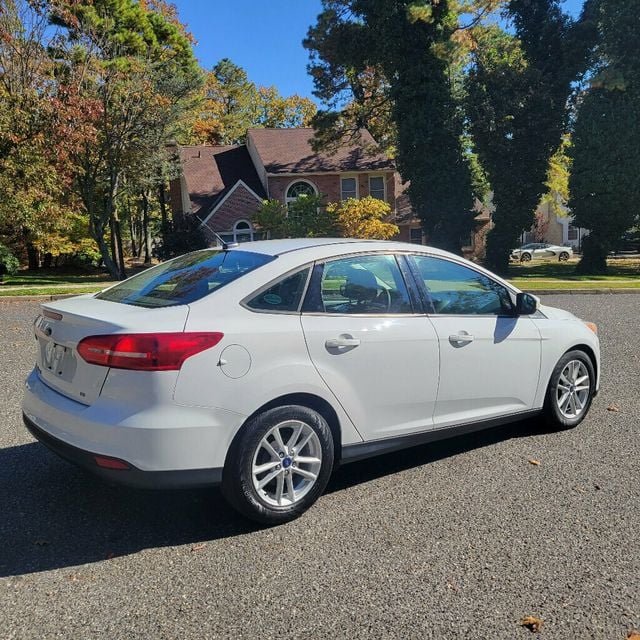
column 242, row 231
column 300, row 188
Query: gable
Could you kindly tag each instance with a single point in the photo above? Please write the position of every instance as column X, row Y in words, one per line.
column 239, row 203
column 210, row 173
column 289, row 151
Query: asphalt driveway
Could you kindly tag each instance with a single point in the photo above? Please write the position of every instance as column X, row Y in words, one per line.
column 460, row 539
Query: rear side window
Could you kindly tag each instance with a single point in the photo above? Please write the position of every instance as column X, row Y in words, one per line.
column 284, row 295
column 184, row 279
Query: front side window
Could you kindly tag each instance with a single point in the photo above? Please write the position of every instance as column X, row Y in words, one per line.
column 284, row 295
column 376, row 187
column 371, row 284
column 456, row 289
column 184, row 279
column 348, row 188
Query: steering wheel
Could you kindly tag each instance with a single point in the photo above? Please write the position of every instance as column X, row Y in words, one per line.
column 385, row 303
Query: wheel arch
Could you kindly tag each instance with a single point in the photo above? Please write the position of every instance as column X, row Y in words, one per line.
column 310, row 401
column 590, row 352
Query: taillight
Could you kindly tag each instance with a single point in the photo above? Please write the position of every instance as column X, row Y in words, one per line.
column 145, row 351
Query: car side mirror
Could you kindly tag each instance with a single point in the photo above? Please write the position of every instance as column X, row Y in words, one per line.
column 526, row 304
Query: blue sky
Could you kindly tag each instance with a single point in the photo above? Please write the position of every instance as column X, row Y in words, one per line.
column 263, row 37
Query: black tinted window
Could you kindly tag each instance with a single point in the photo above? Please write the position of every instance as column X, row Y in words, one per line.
column 284, row 295
column 458, row 290
column 184, row 279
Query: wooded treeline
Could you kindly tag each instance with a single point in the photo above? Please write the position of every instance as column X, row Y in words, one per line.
column 94, row 95
column 510, row 97
column 475, row 96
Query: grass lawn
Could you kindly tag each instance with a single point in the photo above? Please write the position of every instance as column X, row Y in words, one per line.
column 624, row 273
column 54, row 282
column 53, row 278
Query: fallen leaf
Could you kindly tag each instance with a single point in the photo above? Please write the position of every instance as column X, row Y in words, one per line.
column 614, row 408
column 633, row 635
column 41, row 543
column 534, row 462
column 532, row 623
column 199, row 547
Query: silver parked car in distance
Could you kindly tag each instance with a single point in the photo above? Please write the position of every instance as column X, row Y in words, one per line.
column 541, row 250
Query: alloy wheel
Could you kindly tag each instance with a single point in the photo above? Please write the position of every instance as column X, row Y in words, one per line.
column 286, row 463
column 573, row 388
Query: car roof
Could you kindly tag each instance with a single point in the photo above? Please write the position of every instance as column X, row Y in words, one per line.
column 343, row 245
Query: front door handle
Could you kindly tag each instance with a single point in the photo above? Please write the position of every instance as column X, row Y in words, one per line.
column 460, row 338
column 342, row 341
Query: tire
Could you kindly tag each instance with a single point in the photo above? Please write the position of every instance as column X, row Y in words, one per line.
column 564, row 411
column 563, row 257
column 284, row 487
column 525, row 257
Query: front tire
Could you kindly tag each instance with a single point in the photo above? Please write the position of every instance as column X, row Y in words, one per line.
column 525, row 257
column 279, row 464
column 570, row 391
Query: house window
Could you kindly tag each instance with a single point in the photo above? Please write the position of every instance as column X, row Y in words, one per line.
column 300, row 188
column 348, row 188
column 572, row 233
column 376, row 187
column 242, row 231
column 416, row 236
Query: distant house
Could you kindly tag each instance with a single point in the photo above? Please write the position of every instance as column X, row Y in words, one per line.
column 558, row 229
column 224, row 186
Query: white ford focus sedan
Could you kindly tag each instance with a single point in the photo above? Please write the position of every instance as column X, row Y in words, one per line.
column 262, row 367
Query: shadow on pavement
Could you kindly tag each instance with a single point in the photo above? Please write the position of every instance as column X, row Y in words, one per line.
column 53, row 515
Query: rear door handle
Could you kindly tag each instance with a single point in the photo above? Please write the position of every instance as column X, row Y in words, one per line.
column 342, row 341
column 460, row 338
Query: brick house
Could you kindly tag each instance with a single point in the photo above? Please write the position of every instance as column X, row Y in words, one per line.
column 224, row 186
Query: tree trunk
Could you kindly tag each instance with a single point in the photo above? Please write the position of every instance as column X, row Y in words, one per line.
column 145, row 227
column 164, row 220
column 133, row 234
column 594, row 256
column 98, row 236
column 114, row 222
column 33, row 256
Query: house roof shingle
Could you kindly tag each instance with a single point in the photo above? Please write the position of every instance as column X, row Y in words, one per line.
column 286, row 151
column 210, row 172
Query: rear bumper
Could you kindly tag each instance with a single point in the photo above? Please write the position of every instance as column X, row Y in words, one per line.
column 134, row 477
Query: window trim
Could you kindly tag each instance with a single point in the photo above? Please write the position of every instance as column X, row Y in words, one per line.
column 349, row 177
column 384, row 185
column 316, row 277
column 428, row 301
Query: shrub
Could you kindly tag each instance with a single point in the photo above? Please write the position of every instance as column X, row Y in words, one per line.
column 8, row 262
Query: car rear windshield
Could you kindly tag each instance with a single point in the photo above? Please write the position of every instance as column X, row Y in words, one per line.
column 184, row 279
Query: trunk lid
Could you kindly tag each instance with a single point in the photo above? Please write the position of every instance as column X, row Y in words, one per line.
column 62, row 324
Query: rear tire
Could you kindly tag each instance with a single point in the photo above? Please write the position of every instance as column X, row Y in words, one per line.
column 279, row 464
column 525, row 257
column 570, row 391
column 563, row 257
